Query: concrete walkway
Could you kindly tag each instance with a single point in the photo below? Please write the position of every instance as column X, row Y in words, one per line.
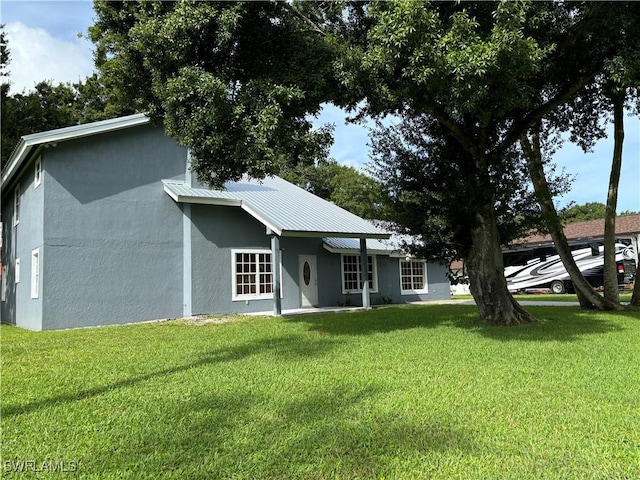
column 308, row 310
column 524, row 303
column 304, row 311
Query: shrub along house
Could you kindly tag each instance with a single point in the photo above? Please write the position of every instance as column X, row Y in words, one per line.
column 104, row 224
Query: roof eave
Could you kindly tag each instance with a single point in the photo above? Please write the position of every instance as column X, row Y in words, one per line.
column 21, row 151
column 352, row 251
column 228, row 202
column 319, row 234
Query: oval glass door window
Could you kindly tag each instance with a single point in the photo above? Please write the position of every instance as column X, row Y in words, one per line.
column 306, row 273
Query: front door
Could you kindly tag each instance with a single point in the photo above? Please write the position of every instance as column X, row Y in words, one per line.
column 308, row 280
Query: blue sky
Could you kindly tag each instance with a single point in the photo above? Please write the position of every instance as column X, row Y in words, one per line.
column 44, row 43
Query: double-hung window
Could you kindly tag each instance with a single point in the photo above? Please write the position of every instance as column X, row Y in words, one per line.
column 35, row 273
column 413, row 277
column 38, row 172
column 16, row 205
column 4, row 283
column 252, row 274
column 351, row 274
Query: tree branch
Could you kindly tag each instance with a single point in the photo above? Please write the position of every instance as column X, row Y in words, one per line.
column 578, row 30
column 455, row 130
column 522, row 126
column 314, row 28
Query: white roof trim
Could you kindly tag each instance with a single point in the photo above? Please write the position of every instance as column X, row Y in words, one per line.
column 27, row 142
column 323, row 234
column 262, row 219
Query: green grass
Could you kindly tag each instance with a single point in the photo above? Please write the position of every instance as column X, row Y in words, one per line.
column 394, row 393
column 546, row 297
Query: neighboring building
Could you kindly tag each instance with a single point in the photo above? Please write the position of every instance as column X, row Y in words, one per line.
column 103, row 224
column 627, row 227
column 577, row 233
column 461, row 284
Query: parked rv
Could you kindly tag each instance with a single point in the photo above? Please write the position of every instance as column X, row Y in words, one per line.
column 534, row 268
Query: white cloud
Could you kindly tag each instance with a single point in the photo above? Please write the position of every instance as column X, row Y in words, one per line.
column 36, row 55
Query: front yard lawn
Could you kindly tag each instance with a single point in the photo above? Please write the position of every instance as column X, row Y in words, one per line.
column 397, row 392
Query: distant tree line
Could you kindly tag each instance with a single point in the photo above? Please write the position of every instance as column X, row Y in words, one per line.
column 587, row 211
column 49, row 106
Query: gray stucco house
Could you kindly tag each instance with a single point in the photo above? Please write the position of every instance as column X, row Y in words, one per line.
column 103, row 224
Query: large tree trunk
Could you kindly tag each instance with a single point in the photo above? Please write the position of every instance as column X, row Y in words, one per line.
column 486, row 274
column 610, row 269
column 587, row 296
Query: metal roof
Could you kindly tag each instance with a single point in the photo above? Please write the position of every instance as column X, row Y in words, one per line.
column 28, row 143
column 282, row 207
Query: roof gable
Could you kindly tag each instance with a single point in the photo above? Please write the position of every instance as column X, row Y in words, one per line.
column 284, row 208
column 29, row 143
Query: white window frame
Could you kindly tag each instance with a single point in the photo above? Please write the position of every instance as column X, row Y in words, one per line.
column 241, row 297
column 16, row 205
column 414, row 291
column 37, row 175
column 373, row 288
column 4, row 283
column 35, row 273
column 17, row 271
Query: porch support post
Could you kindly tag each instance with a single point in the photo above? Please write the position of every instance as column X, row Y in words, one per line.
column 275, row 271
column 187, row 296
column 364, row 270
column 187, row 280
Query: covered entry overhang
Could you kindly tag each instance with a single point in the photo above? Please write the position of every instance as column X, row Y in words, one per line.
column 286, row 211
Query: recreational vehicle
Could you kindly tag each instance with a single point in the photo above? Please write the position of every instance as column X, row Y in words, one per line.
column 534, row 268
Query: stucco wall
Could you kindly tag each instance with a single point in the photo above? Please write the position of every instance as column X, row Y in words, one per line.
column 328, row 270
column 18, row 243
column 439, row 287
column 113, row 238
column 217, row 230
column 389, row 291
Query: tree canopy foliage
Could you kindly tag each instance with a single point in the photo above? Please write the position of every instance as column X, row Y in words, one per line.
column 481, row 78
column 233, row 81
column 469, row 80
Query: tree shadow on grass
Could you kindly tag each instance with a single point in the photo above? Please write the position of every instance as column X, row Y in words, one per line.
column 559, row 324
column 563, row 323
column 290, row 346
column 325, row 432
column 385, row 319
